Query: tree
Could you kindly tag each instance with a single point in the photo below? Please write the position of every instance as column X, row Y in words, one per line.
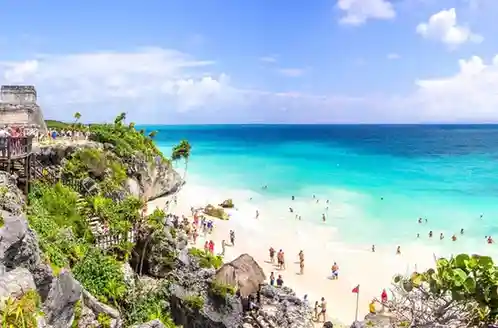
column 131, row 125
column 77, row 117
column 120, row 119
column 182, row 151
column 461, row 291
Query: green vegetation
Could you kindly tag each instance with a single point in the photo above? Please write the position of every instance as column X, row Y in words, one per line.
column 220, row 290
column 217, row 212
column 21, row 312
column 77, row 314
column 206, row 259
column 182, row 151
column 127, row 141
column 462, row 288
column 150, row 306
column 194, row 302
column 104, row 319
column 59, row 214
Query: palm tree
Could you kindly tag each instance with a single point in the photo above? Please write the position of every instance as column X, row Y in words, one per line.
column 120, row 118
column 77, row 117
column 182, row 151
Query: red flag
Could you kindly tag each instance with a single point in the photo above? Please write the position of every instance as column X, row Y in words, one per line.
column 356, row 289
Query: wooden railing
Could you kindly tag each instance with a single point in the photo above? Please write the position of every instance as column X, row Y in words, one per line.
column 15, row 147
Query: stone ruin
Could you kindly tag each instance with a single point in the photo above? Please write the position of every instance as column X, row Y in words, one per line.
column 18, row 107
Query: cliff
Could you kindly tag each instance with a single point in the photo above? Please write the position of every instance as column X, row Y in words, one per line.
column 145, row 179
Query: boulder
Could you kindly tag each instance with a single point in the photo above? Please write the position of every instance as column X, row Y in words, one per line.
column 151, row 324
column 228, row 203
column 11, row 197
column 217, row 212
column 19, row 248
column 15, row 283
column 61, row 300
column 243, row 272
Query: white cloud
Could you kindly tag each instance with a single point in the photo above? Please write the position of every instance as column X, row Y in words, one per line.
column 268, row 59
column 443, row 26
column 135, row 78
column 469, row 95
column 292, row 72
column 393, row 56
column 357, row 12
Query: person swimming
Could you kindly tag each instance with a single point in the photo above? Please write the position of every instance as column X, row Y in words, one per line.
column 430, row 234
column 323, row 218
column 461, row 231
column 441, row 236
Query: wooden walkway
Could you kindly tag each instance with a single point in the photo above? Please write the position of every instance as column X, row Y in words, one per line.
column 16, row 157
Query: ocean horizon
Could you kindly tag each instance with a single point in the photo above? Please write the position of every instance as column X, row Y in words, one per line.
column 378, row 179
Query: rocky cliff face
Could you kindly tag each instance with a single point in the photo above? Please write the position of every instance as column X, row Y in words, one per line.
column 145, row 179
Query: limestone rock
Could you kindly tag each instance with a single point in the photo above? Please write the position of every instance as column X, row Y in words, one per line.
column 15, row 283
column 11, row 198
column 19, row 248
column 243, row 272
column 228, row 203
column 59, row 306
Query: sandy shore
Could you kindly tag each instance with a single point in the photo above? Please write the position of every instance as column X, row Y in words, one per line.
column 321, row 245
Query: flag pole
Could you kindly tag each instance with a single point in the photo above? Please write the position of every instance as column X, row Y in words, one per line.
column 357, row 301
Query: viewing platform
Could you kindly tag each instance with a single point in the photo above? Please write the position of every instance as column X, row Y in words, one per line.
column 16, row 157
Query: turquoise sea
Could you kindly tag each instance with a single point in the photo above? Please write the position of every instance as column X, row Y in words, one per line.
column 379, row 179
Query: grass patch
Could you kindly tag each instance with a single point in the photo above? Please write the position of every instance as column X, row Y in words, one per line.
column 206, row 259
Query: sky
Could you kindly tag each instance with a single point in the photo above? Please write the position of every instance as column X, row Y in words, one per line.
column 258, row 61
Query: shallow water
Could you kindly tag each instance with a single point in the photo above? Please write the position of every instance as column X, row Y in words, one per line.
column 378, row 179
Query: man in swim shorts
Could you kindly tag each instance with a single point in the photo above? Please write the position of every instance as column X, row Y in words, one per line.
column 323, row 312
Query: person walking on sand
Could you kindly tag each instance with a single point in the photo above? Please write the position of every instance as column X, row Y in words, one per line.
column 257, row 214
column 272, row 279
column 373, row 248
column 279, row 259
column 211, row 247
column 316, row 310
column 323, row 218
column 232, row 237
column 335, row 271
column 398, row 250
column 206, row 246
column 323, row 312
column 223, row 247
column 301, row 262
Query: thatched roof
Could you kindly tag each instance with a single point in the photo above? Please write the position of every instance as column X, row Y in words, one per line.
column 243, row 273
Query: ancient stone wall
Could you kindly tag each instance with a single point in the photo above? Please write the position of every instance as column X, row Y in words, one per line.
column 18, row 94
column 18, row 106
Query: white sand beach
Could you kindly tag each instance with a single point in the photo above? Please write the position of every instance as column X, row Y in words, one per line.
column 321, row 245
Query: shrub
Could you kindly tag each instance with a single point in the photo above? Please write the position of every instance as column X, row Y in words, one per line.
column 194, row 302
column 221, row 290
column 104, row 319
column 102, row 276
column 127, row 141
column 206, row 259
column 150, row 306
column 21, row 312
column 228, row 203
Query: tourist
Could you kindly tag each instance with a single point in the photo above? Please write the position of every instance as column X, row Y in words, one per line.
column 335, row 271
column 371, row 307
column 323, row 312
column 430, row 234
column 206, row 246
column 232, row 237
column 272, row 279
column 323, row 218
column 272, row 255
column 461, row 231
column 257, row 214
column 373, row 248
column 490, row 240
column 301, row 262
column 223, row 247
column 398, row 250
column 316, row 310
column 211, row 247
column 383, row 298
column 441, row 236
column 280, row 281
column 454, row 238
